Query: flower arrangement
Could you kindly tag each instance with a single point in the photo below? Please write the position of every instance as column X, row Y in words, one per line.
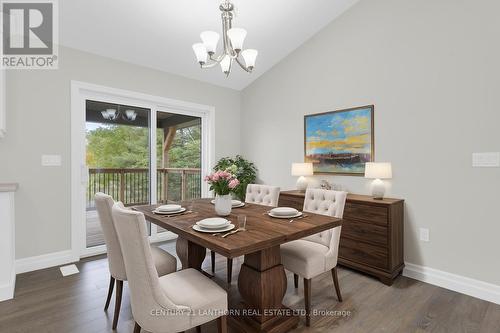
column 244, row 170
column 222, row 182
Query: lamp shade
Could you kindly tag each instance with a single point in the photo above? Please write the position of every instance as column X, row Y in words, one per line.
column 250, row 55
column 201, row 52
column 210, row 40
column 237, row 37
column 378, row 170
column 225, row 64
column 302, row 169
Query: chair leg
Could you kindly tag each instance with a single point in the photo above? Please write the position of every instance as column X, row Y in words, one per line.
column 137, row 328
column 222, row 324
column 118, row 302
column 229, row 270
column 307, row 300
column 212, row 254
column 110, row 292
column 296, row 280
column 336, row 283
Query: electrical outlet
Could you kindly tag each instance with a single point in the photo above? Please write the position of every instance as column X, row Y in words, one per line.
column 424, row 235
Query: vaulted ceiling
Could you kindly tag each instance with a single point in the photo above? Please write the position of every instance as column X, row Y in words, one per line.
column 159, row 33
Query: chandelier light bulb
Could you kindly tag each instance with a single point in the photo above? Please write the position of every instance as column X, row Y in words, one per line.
column 210, row 40
column 237, row 37
column 131, row 115
column 225, row 64
column 201, row 53
column 250, row 55
column 109, row 114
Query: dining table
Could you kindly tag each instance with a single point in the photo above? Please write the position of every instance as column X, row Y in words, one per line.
column 262, row 281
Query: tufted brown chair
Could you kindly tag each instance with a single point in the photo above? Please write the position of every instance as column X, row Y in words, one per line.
column 316, row 254
column 256, row 194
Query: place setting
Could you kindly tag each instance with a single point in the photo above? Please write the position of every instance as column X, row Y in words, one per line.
column 286, row 213
column 171, row 210
column 220, row 226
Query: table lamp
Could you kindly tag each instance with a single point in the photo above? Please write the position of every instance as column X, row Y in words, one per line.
column 378, row 171
column 302, row 170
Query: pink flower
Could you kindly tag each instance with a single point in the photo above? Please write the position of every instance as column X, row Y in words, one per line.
column 233, row 183
column 208, row 178
column 215, row 177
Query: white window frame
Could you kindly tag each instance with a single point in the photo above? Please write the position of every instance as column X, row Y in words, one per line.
column 82, row 91
column 3, row 104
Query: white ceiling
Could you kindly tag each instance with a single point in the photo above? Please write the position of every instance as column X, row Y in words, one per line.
column 159, row 33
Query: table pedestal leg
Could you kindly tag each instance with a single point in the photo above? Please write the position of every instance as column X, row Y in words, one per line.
column 262, row 286
column 190, row 254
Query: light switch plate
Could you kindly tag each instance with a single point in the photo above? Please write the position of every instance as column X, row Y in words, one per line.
column 486, row 160
column 51, row 160
column 424, row 235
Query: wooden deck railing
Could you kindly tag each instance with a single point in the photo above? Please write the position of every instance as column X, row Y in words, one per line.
column 131, row 186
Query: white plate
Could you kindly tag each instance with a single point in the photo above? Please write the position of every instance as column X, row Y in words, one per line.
column 169, row 208
column 284, row 211
column 213, row 223
column 285, row 217
column 200, row 229
column 234, row 203
column 182, row 210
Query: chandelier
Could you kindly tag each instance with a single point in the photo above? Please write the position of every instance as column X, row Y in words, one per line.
column 113, row 114
column 232, row 42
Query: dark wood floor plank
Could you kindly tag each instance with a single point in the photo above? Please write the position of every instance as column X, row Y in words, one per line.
column 47, row 302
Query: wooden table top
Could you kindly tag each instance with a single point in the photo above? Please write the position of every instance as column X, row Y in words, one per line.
column 262, row 231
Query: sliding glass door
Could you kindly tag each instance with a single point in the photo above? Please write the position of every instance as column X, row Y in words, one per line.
column 178, row 157
column 118, row 154
column 119, row 159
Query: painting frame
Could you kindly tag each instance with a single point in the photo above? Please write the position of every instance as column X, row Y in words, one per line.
column 372, row 137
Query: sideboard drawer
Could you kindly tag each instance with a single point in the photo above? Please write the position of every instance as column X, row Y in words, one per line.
column 374, row 214
column 297, row 203
column 364, row 231
column 363, row 253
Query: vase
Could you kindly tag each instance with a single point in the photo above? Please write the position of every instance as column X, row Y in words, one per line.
column 223, row 204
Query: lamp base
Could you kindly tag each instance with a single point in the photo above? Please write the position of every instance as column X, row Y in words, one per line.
column 301, row 183
column 378, row 189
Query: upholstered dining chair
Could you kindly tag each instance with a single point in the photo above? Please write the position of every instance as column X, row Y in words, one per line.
column 257, row 194
column 164, row 262
column 172, row 303
column 316, row 254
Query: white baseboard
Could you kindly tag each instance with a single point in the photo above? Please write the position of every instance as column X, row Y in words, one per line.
column 45, row 261
column 475, row 288
column 7, row 290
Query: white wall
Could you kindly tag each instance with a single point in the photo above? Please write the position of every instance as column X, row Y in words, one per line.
column 431, row 69
column 38, row 111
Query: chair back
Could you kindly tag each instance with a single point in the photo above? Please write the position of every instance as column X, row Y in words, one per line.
column 262, row 195
column 146, row 295
column 330, row 203
column 104, row 204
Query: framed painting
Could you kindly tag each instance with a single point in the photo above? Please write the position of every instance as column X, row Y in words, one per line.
column 340, row 142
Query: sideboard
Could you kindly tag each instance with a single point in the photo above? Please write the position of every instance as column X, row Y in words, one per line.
column 372, row 234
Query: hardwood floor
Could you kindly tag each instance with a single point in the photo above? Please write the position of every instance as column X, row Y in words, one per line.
column 47, row 302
